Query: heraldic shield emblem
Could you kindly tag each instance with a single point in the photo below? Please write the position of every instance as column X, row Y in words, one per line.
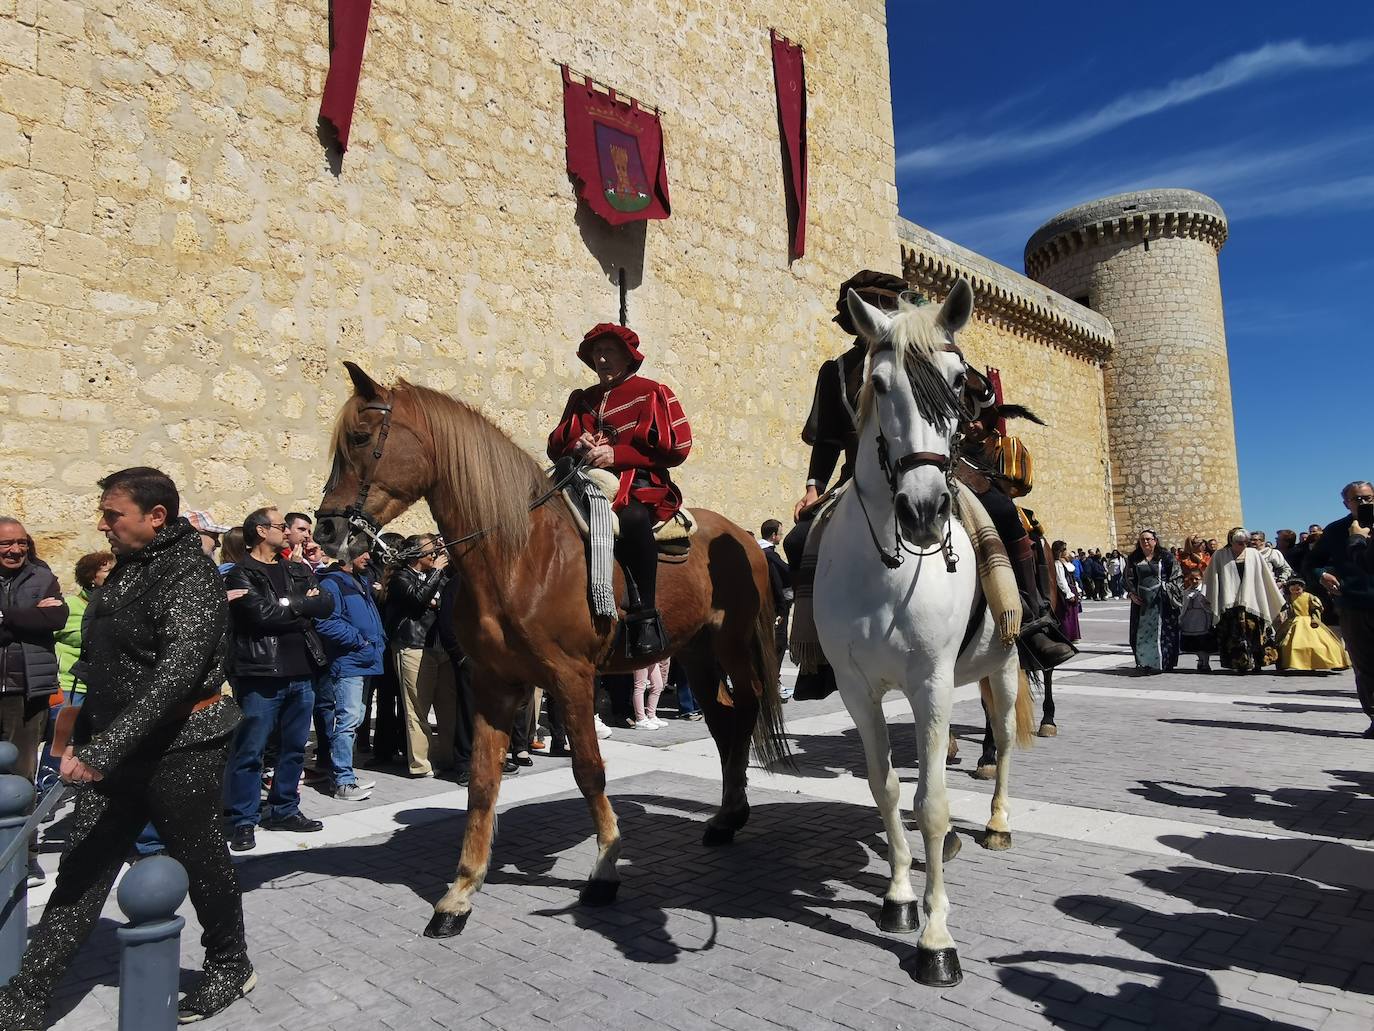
column 615, row 152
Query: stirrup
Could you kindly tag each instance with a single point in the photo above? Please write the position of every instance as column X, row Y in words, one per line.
column 642, row 634
column 1042, row 644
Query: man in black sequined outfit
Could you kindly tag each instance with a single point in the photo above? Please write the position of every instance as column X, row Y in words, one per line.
column 150, row 743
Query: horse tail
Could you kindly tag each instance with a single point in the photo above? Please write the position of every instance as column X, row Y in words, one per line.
column 1025, row 711
column 770, row 740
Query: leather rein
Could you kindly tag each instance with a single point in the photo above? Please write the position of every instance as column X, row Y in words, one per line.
column 355, row 515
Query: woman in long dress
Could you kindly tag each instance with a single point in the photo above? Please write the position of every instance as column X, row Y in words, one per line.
column 1306, row 644
column 1070, row 600
column 1154, row 585
column 1245, row 602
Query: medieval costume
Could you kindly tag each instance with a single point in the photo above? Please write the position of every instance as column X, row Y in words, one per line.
column 1197, row 636
column 1154, row 621
column 156, row 727
column 1070, row 599
column 1305, row 643
column 1245, row 604
column 643, row 425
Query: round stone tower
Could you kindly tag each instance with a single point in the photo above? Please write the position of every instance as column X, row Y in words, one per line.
column 1148, row 262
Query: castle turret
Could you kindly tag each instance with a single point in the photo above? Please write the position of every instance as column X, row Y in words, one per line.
column 1148, row 262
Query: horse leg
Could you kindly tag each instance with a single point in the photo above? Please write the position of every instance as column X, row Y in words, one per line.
column 987, row 762
column 899, row 913
column 579, row 701
column 1005, row 684
column 1047, row 724
column 731, row 727
column 495, row 705
column 937, row 961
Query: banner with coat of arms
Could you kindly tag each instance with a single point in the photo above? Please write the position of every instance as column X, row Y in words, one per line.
column 615, row 151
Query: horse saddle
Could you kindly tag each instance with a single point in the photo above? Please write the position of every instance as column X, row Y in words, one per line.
column 673, row 536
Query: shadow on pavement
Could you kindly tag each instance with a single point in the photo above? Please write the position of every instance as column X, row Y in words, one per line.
column 791, row 863
column 1275, row 728
column 1175, row 997
column 1305, row 810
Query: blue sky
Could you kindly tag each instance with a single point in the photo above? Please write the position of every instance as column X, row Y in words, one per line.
column 1006, row 114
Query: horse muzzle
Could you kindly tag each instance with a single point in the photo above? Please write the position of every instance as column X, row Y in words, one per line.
column 331, row 534
column 921, row 522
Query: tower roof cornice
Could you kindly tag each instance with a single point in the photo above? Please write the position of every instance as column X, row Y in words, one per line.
column 1145, row 213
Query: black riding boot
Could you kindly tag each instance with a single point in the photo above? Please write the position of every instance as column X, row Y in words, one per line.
column 638, row 553
column 1041, row 641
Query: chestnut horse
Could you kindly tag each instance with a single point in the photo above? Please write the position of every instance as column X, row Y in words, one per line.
column 522, row 611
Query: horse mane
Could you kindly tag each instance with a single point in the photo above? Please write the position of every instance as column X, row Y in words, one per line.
column 916, row 337
column 492, row 486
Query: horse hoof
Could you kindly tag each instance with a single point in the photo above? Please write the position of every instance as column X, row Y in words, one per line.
column 996, row 841
column 938, row 968
column 599, row 893
column 1048, row 730
column 899, row 917
column 714, row 836
column 984, row 772
column 446, row 925
column 953, row 844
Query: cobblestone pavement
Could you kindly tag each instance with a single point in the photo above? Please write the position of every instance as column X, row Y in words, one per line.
column 1190, row 852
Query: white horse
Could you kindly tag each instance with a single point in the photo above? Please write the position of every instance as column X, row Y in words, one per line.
column 896, row 593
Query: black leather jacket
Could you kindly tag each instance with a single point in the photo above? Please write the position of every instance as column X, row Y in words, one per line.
column 411, row 620
column 156, row 640
column 261, row 620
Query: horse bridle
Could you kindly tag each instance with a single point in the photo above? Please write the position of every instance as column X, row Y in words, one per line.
column 355, row 515
column 891, row 471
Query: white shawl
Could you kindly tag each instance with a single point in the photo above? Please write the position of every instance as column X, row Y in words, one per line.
column 1256, row 593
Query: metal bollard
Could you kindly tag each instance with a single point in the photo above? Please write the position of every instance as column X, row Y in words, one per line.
column 150, row 947
column 16, row 799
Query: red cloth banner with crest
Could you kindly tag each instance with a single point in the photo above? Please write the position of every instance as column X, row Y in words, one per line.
column 347, row 38
column 789, row 77
column 615, row 151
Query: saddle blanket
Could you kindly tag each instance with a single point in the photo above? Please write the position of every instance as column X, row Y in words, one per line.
column 672, row 534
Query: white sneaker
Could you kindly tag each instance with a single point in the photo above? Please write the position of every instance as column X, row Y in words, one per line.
column 645, row 724
column 602, row 731
column 658, row 723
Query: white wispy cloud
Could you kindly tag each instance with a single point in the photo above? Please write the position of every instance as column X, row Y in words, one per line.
column 1269, row 61
column 1250, row 179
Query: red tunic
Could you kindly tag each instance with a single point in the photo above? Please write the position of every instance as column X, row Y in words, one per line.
column 647, row 430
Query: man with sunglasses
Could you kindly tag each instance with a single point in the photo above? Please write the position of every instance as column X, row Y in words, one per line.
column 277, row 656
column 31, row 611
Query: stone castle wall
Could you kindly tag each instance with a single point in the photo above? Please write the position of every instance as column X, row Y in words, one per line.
column 181, row 273
column 1168, row 397
column 1049, row 351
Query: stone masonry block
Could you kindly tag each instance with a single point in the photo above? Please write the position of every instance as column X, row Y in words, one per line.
column 14, row 144
column 77, row 254
column 61, row 152
column 30, row 195
column 62, row 17
column 30, row 96
column 18, row 45
column 21, row 243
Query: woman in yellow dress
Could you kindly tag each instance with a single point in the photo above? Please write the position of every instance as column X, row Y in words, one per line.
column 1307, row 644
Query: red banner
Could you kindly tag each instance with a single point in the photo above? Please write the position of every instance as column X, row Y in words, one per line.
column 347, row 37
column 789, row 76
column 995, row 381
column 615, row 151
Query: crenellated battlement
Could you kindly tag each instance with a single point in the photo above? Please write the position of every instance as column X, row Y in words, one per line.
column 1142, row 215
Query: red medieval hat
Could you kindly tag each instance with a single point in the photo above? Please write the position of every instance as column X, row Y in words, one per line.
column 624, row 334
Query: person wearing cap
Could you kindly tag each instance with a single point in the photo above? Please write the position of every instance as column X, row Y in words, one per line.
column 633, row 427
column 209, row 530
column 832, row 431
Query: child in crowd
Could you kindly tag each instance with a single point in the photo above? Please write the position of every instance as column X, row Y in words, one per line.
column 1197, row 636
column 1306, row 644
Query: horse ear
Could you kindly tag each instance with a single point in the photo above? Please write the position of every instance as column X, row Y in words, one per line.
column 870, row 322
column 958, row 306
column 363, row 385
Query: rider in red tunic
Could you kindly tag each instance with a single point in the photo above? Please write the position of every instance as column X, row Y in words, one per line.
column 636, row 428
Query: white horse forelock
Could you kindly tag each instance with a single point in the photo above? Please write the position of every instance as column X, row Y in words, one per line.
column 914, row 334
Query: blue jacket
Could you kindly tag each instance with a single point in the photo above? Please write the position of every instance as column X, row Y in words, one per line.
column 353, row 637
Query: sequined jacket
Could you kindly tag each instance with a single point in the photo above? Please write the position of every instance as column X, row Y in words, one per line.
column 157, row 640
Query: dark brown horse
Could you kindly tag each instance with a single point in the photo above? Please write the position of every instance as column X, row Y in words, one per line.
column 523, row 615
